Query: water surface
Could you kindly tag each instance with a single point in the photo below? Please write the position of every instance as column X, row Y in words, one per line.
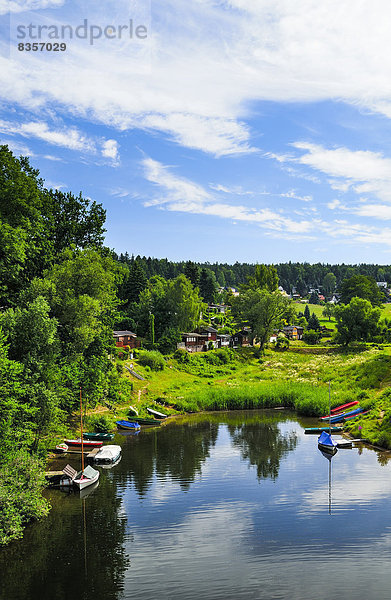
column 222, row 506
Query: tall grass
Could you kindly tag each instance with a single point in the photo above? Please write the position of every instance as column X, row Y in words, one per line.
column 304, row 398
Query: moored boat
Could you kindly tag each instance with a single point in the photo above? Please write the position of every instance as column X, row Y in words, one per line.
column 324, row 428
column 103, row 437
column 156, row 414
column 344, row 406
column 326, row 443
column 133, row 411
column 342, row 416
column 108, row 454
column 61, row 448
column 86, row 443
column 147, row 421
column 86, row 477
column 127, row 425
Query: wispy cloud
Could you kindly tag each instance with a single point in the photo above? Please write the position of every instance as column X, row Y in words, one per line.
column 67, row 137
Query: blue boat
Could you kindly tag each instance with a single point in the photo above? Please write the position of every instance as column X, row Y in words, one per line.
column 342, row 416
column 128, row 425
column 326, row 443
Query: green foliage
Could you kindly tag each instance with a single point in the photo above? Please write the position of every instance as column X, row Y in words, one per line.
column 360, row 286
column 313, row 322
column 311, row 336
column 208, row 286
column 21, row 500
column 168, row 340
column 357, row 321
column 329, row 283
column 307, row 313
column 328, row 311
column 264, row 278
column 152, row 359
column 282, row 343
column 100, row 423
column 263, row 311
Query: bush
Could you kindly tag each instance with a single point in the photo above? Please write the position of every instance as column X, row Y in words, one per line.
column 152, row 359
column 281, row 343
column 182, row 355
column 100, row 423
column 311, row 337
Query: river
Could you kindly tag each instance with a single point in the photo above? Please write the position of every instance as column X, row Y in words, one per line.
column 231, row 506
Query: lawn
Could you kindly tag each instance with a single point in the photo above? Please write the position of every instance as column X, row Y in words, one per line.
column 318, row 310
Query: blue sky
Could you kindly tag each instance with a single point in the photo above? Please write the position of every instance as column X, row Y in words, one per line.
column 220, row 130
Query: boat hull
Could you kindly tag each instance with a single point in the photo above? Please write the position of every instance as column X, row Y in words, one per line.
column 128, row 425
column 102, row 437
column 147, row 421
column 83, row 482
column 327, row 448
column 86, row 443
column 318, row 430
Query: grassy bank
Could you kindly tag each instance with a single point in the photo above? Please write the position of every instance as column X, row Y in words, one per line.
column 242, row 380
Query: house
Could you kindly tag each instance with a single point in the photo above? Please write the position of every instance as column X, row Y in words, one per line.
column 321, row 298
column 223, row 340
column 382, row 284
column 241, row 338
column 192, row 342
column 126, row 338
column 293, row 332
column 217, row 308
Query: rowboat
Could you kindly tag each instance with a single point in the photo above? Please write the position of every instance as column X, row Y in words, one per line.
column 156, row 414
column 61, row 448
column 86, row 443
column 147, row 421
column 127, row 425
column 133, row 411
column 86, row 477
column 103, row 437
column 108, row 454
column 324, row 428
column 326, row 443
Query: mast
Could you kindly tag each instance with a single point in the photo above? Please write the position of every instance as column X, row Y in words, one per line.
column 81, row 433
column 329, row 411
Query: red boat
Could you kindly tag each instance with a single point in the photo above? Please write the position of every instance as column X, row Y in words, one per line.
column 337, row 409
column 86, row 443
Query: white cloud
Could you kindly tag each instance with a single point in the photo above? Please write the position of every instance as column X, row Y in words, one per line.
column 203, row 66
column 67, row 137
column 18, row 6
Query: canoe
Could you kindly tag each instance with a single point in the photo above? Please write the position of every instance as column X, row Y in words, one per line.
column 86, row 443
column 361, row 414
column 104, row 437
column 156, row 414
column 342, row 416
column 85, row 478
column 127, row 425
column 344, row 406
column 324, row 428
column 133, row 411
column 108, row 454
column 326, row 443
column 147, row 421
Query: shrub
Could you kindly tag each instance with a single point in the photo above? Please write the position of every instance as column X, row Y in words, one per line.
column 281, row 343
column 182, row 355
column 152, row 359
column 311, row 337
column 100, row 423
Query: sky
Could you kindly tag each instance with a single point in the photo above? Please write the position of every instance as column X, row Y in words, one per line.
column 210, row 130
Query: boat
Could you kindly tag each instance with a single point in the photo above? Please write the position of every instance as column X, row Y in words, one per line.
column 156, row 414
column 108, row 454
column 86, row 477
column 82, row 442
column 344, row 406
column 334, row 429
column 133, row 411
column 103, row 437
column 127, row 425
column 146, row 421
column 342, row 416
column 361, row 414
column 61, row 448
column 326, row 443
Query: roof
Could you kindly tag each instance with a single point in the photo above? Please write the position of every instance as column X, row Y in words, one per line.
column 121, row 333
column 192, row 334
column 208, row 329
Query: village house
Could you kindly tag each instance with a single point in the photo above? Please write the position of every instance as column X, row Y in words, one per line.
column 126, row 338
column 241, row 338
column 217, row 308
column 293, row 332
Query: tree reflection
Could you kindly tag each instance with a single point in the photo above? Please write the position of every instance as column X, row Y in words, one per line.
column 72, row 553
column 263, row 445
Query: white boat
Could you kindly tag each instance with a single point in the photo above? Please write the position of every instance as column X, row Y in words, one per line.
column 86, row 477
column 108, row 454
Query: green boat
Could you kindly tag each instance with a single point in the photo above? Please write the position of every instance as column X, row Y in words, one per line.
column 325, row 428
column 142, row 421
column 103, row 437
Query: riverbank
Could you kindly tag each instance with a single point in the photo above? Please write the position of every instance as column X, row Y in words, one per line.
column 241, row 379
